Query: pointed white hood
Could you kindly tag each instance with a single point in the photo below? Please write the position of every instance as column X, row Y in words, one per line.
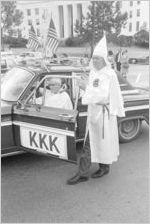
column 101, row 50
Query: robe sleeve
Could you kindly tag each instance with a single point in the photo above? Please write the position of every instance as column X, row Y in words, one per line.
column 116, row 99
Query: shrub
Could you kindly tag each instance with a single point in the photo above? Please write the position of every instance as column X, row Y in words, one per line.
column 141, row 38
column 15, row 42
column 69, row 42
column 74, row 41
column 122, row 40
column 62, row 43
column 125, row 41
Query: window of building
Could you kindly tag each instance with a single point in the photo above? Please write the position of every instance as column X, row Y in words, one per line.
column 130, row 14
column 138, row 12
column 38, row 32
column 137, row 26
column 130, row 27
column 138, row 2
column 29, row 12
column 36, row 11
column 131, row 3
column 61, row 20
column 37, row 22
column 29, row 22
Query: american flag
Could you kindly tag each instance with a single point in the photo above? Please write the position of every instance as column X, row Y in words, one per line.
column 52, row 41
column 33, row 42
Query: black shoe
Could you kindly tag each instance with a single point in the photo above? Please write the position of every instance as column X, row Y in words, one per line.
column 100, row 173
column 77, row 179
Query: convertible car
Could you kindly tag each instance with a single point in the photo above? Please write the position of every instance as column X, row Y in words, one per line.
column 30, row 126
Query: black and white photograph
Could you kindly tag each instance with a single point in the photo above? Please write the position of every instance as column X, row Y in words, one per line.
column 75, row 111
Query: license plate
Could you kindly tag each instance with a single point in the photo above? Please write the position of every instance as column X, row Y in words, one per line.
column 44, row 141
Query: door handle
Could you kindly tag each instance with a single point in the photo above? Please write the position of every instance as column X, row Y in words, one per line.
column 66, row 116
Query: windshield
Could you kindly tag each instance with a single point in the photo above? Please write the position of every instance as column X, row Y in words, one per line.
column 15, row 83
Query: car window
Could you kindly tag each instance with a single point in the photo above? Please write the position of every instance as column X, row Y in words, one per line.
column 15, row 83
column 52, row 91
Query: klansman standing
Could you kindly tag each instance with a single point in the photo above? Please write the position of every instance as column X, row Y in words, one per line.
column 105, row 103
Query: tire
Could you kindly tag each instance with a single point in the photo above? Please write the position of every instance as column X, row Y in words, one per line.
column 129, row 130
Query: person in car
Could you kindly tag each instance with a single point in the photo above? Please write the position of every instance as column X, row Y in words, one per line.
column 56, row 95
column 105, row 103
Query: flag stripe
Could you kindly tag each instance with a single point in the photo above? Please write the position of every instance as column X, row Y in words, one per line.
column 33, row 42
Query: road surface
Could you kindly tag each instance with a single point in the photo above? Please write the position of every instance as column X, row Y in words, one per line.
column 139, row 75
column 34, row 189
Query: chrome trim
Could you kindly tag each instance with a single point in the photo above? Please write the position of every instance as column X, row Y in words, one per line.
column 41, row 128
column 6, row 123
column 12, row 153
column 137, row 108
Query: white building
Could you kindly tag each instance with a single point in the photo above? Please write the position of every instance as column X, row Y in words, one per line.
column 65, row 13
column 138, row 16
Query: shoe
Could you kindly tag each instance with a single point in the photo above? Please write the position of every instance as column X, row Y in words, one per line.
column 100, row 173
column 77, row 179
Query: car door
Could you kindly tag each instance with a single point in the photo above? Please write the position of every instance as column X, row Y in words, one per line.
column 8, row 144
column 44, row 129
column 82, row 109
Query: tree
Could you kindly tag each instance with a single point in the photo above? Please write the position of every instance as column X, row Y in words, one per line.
column 10, row 16
column 102, row 16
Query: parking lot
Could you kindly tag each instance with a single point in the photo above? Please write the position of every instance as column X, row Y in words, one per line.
column 34, row 189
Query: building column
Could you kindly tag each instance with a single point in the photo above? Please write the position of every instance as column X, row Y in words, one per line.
column 66, row 31
column 74, row 6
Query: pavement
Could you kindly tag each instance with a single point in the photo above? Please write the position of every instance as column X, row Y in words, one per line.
column 34, row 189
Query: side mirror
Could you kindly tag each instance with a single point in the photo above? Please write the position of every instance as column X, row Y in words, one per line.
column 21, row 106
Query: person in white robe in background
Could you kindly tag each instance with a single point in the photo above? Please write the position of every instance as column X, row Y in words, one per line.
column 105, row 103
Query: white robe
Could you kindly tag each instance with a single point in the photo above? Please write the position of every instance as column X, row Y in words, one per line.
column 104, row 142
column 58, row 100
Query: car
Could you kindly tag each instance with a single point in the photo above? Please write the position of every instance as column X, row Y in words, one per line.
column 6, row 64
column 140, row 60
column 29, row 126
column 6, row 53
column 31, row 55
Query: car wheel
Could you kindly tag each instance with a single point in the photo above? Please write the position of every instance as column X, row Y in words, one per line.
column 129, row 130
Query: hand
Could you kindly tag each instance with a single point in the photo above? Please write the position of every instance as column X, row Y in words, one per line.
column 82, row 82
